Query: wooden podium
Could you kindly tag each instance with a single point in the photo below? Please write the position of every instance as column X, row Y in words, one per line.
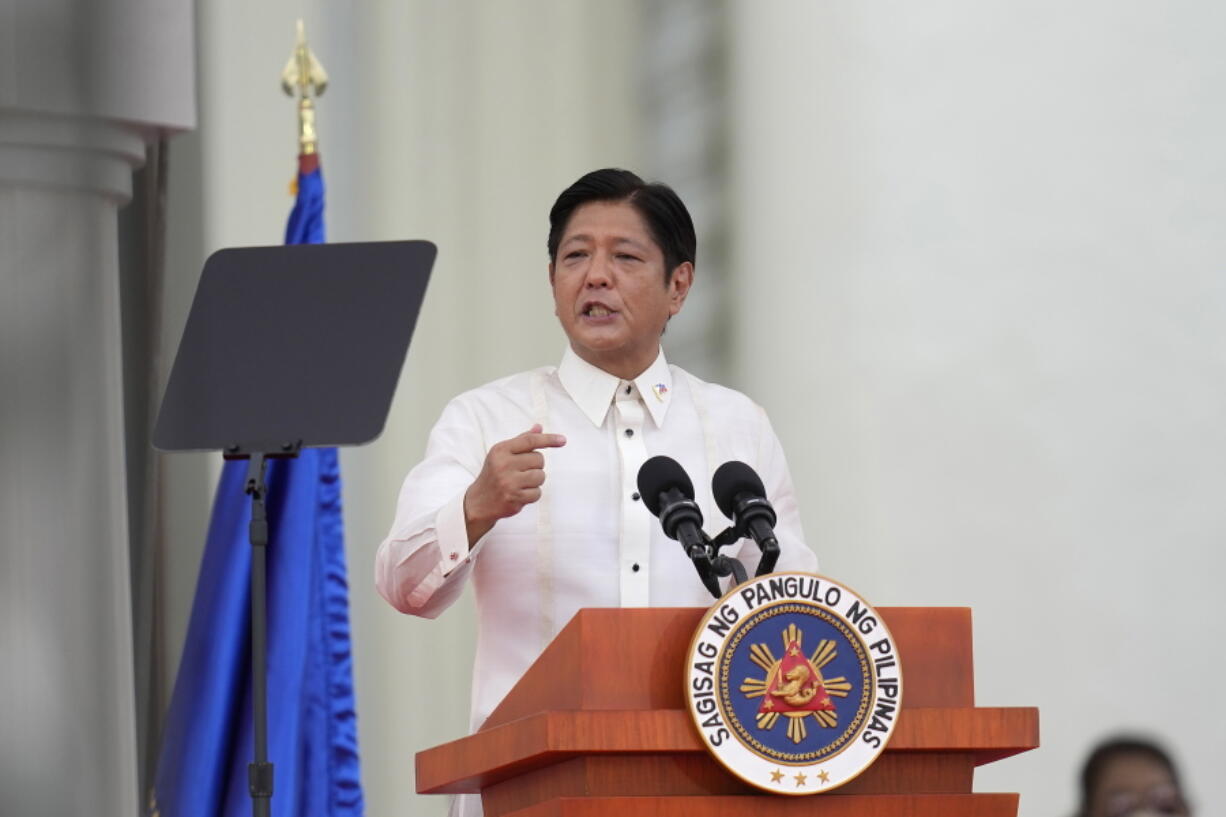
column 597, row 728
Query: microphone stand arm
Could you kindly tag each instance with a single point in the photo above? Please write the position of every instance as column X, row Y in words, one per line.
column 726, row 565
column 708, row 570
column 770, row 555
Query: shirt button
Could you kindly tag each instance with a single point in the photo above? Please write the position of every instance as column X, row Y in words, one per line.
column 627, row 389
column 635, row 567
column 630, row 432
column 635, row 496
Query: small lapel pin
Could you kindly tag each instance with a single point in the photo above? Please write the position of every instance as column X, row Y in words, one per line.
column 660, row 390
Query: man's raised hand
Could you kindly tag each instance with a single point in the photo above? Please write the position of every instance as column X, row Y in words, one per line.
column 510, row 478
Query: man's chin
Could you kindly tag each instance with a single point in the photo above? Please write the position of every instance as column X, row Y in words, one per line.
column 598, row 339
column 604, row 323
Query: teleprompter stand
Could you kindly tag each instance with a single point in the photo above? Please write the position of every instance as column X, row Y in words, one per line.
column 284, row 348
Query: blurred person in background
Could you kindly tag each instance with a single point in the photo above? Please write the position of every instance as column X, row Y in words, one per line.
column 1130, row 777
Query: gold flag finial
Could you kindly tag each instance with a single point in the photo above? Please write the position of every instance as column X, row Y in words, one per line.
column 304, row 77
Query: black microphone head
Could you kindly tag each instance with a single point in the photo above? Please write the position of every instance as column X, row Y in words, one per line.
column 659, row 474
column 734, row 478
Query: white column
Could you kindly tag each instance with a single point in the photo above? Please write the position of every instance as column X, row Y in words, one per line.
column 66, row 685
column 74, row 114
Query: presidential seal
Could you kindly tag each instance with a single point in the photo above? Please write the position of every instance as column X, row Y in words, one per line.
column 793, row 682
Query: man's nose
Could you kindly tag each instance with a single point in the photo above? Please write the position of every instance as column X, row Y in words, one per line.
column 600, row 272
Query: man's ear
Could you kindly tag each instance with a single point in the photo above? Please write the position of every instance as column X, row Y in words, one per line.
column 551, row 289
column 679, row 286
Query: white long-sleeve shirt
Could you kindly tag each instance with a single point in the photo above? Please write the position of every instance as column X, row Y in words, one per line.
column 589, row 541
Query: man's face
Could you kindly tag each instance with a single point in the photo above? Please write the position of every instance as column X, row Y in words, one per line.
column 609, row 290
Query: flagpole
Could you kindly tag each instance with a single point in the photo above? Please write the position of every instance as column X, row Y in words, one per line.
column 305, row 79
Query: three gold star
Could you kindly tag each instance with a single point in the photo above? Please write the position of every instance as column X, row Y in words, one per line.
column 801, row 779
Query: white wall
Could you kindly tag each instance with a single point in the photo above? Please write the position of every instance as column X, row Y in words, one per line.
column 984, row 277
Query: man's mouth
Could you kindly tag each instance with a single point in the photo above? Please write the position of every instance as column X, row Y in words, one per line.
column 597, row 311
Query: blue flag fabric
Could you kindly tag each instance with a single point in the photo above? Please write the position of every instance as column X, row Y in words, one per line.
column 207, row 741
column 306, row 220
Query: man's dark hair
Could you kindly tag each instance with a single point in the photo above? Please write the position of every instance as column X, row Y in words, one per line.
column 1108, row 751
column 667, row 219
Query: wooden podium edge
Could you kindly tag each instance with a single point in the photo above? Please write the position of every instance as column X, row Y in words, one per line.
column 824, row 805
column 535, row 741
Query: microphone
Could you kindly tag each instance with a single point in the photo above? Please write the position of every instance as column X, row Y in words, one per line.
column 741, row 497
column 668, row 493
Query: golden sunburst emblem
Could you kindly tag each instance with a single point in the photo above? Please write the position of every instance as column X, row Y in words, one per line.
column 794, row 686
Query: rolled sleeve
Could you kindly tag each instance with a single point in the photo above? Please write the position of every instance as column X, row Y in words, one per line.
column 423, row 564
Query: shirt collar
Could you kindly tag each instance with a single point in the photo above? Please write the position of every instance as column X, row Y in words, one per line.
column 593, row 389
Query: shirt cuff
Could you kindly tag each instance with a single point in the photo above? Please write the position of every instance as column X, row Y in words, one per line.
column 452, row 531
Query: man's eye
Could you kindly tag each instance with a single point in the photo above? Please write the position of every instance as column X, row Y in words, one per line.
column 574, row 254
column 625, row 256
